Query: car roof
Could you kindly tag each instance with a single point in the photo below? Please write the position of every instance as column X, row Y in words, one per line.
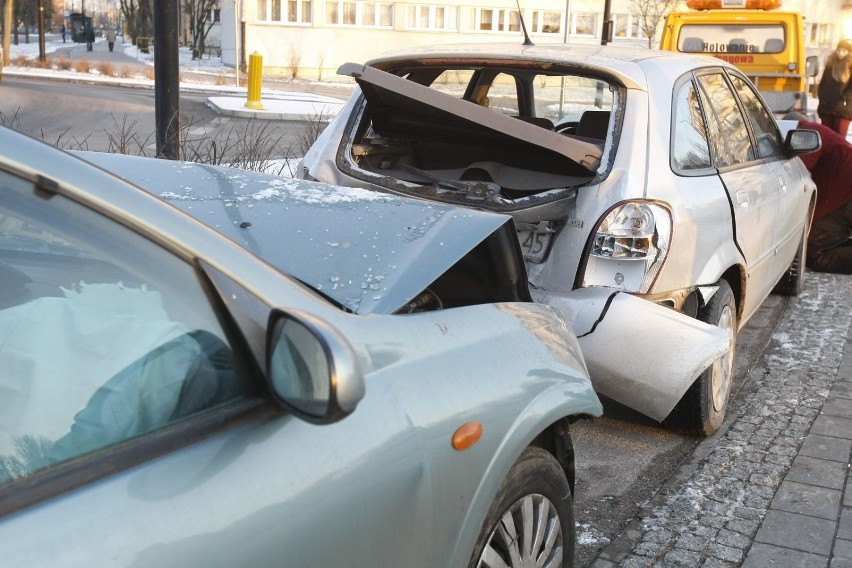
column 626, row 63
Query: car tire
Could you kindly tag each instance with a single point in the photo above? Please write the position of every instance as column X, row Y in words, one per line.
column 793, row 281
column 702, row 409
column 535, row 489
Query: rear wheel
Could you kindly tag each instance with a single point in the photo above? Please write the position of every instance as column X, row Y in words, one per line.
column 702, row 409
column 531, row 522
column 793, row 281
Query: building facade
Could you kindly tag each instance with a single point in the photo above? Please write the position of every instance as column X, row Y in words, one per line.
column 311, row 38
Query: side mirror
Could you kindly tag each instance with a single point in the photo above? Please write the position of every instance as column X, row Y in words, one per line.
column 312, row 370
column 811, row 66
column 802, row 141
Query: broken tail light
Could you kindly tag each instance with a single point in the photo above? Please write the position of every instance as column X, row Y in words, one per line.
column 629, row 247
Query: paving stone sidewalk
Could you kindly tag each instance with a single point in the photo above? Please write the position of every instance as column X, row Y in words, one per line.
column 773, row 487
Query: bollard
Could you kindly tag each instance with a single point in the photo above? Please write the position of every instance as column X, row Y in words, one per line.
column 255, row 68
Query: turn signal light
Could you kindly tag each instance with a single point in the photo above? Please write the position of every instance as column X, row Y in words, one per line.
column 467, row 435
column 735, row 4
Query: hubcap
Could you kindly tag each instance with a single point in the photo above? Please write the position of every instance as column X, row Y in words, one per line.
column 528, row 535
column 723, row 368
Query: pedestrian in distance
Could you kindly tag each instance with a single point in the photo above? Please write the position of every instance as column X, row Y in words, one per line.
column 835, row 89
column 63, row 33
column 830, row 238
column 110, row 38
column 90, row 39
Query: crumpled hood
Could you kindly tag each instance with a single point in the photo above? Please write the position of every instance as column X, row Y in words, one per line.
column 371, row 252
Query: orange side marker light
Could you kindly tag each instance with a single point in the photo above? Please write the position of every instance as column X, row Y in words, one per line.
column 467, row 435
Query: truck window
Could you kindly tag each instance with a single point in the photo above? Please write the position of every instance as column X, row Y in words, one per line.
column 731, row 38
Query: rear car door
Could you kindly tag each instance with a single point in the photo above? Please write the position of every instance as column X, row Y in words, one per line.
column 749, row 180
column 792, row 198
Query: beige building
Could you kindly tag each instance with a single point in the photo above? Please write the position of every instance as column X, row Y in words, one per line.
column 311, row 38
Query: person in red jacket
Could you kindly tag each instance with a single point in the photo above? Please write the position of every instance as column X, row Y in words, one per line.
column 830, row 239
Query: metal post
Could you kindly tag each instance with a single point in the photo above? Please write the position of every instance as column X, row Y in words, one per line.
column 237, row 41
column 166, row 79
column 255, row 69
column 42, row 54
column 606, row 34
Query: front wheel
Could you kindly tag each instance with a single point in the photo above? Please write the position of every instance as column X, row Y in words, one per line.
column 531, row 522
column 702, row 409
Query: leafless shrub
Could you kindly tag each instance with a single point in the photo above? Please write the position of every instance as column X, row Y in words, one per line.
column 21, row 60
column 82, row 66
column 295, row 60
column 39, row 64
column 252, row 145
column 220, row 79
column 124, row 139
column 125, row 72
column 106, row 68
column 320, row 64
column 149, row 73
column 62, row 63
column 313, row 127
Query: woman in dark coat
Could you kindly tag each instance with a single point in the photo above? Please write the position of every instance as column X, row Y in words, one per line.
column 835, row 89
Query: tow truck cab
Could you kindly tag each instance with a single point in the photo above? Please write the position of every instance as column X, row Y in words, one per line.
column 767, row 44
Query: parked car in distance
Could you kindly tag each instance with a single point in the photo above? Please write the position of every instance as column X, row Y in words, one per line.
column 282, row 373
column 629, row 173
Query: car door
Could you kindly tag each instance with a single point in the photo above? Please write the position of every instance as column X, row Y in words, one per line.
column 749, row 180
column 792, row 197
column 135, row 425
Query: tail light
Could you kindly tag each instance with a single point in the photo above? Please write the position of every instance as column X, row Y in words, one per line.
column 629, row 247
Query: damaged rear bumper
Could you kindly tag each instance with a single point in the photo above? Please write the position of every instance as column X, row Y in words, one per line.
column 638, row 353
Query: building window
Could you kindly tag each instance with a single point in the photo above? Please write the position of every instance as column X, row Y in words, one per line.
column 349, row 13
column 298, row 11
column 820, row 35
column 627, row 26
column 546, row 22
column 495, row 20
column 431, row 17
column 584, row 24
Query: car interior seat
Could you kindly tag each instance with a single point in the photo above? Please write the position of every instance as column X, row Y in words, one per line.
column 593, row 124
column 773, row 45
column 693, row 45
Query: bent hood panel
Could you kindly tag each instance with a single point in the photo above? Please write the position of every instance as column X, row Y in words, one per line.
column 638, row 353
column 371, row 252
column 403, row 97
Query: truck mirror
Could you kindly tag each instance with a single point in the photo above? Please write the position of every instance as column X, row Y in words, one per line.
column 811, row 66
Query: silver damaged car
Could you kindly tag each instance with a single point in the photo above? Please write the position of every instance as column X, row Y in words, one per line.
column 637, row 180
column 230, row 369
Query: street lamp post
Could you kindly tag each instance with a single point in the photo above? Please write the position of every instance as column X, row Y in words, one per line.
column 606, row 35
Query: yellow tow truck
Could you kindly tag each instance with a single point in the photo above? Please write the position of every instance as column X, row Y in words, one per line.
column 767, row 44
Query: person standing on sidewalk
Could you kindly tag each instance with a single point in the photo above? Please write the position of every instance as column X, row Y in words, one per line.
column 835, row 89
column 830, row 238
column 110, row 38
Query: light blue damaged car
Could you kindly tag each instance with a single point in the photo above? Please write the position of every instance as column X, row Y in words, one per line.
column 233, row 369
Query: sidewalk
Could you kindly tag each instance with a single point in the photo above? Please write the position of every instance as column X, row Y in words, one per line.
column 773, row 488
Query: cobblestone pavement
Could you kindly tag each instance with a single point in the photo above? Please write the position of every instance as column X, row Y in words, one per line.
column 769, row 488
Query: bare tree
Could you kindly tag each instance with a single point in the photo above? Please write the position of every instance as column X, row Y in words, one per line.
column 138, row 14
column 199, row 12
column 649, row 13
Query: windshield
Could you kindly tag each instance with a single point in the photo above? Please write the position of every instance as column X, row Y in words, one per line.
column 732, row 38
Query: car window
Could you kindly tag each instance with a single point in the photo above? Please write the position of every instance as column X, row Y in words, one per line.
column 564, row 98
column 689, row 142
column 729, row 138
column 762, row 123
column 104, row 336
column 499, row 94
